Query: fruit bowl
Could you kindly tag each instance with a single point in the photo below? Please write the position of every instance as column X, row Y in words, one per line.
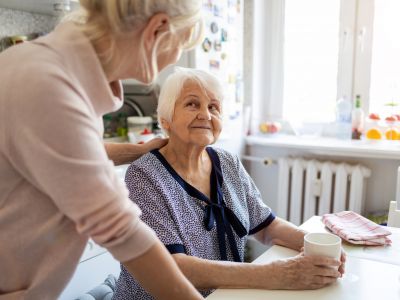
column 270, row 127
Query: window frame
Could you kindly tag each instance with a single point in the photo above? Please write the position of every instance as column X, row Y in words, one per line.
column 354, row 59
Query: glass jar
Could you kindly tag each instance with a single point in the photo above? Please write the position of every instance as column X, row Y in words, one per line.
column 137, row 127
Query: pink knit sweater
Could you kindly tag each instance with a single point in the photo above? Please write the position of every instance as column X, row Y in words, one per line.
column 57, row 186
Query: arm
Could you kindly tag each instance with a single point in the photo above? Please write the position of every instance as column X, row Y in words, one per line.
column 283, row 233
column 279, row 231
column 123, row 153
column 168, row 284
column 298, row 272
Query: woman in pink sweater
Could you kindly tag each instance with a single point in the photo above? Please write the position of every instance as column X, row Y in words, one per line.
column 57, row 184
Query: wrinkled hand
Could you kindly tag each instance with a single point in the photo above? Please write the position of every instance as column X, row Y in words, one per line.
column 342, row 261
column 306, row 272
column 155, row 143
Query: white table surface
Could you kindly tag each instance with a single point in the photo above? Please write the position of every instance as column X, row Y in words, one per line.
column 388, row 254
column 371, row 273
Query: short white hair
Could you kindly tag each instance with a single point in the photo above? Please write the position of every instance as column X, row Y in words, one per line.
column 173, row 85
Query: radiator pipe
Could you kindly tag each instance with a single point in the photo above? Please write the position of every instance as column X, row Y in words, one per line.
column 267, row 161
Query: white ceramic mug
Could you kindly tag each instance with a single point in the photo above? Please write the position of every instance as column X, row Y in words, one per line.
column 322, row 244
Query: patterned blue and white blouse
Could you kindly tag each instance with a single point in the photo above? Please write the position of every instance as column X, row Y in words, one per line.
column 186, row 220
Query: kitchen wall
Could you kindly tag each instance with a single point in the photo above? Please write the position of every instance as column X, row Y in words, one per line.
column 14, row 22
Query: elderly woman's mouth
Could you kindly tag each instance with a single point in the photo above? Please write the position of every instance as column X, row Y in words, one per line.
column 201, row 127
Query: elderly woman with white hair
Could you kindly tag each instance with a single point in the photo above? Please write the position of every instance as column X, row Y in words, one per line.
column 203, row 205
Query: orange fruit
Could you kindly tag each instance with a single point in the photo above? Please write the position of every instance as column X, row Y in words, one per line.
column 392, row 134
column 373, row 134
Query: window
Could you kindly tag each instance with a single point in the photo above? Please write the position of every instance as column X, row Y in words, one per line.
column 310, row 59
column 385, row 67
column 323, row 50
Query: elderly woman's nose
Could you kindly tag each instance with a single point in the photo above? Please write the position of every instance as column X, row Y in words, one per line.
column 204, row 114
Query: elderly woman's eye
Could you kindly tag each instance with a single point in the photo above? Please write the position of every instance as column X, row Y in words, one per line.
column 214, row 107
column 191, row 104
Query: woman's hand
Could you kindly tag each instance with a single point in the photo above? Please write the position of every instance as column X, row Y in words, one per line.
column 305, row 272
column 155, row 143
column 125, row 153
column 342, row 262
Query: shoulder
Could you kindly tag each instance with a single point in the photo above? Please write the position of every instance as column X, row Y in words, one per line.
column 34, row 57
column 39, row 70
column 147, row 182
column 46, row 67
column 227, row 158
column 145, row 167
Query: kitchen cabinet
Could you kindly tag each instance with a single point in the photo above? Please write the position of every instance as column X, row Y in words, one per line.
column 45, row 7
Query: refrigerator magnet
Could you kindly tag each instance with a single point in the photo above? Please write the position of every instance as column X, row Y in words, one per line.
column 208, row 5
column 217, row 45
column 217, row 10
column 214, row 64
column 214, row 27
column 206, row 45
column 224, row 35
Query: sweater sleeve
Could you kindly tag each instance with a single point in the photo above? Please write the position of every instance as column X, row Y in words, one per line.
column 54, row 140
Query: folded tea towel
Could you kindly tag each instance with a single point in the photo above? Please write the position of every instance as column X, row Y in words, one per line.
column 356, row 229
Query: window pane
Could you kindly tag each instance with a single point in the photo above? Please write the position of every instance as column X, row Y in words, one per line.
column 385, row 69
column 311, row 59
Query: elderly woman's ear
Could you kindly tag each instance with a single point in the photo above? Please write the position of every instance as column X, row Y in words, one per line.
column 165, row 124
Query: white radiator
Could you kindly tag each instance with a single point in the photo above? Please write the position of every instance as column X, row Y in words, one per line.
column 309, row 187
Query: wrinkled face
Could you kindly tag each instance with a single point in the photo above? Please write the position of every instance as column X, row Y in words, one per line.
column 197, row 117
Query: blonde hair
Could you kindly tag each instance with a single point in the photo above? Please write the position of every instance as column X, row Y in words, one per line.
column 108, row 19
column 173, row 85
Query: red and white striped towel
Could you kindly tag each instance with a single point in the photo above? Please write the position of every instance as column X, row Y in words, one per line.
column 356, row 229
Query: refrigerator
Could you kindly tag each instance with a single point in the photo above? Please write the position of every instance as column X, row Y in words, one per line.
column 221, row 53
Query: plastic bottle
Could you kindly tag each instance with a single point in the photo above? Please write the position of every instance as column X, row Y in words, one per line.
column 122, row 129
column 343, row 118
column 357, row 120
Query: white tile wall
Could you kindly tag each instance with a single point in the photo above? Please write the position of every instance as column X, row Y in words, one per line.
column 15, row 22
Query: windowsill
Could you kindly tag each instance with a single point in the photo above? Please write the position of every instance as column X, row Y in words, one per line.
column 330, row 146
